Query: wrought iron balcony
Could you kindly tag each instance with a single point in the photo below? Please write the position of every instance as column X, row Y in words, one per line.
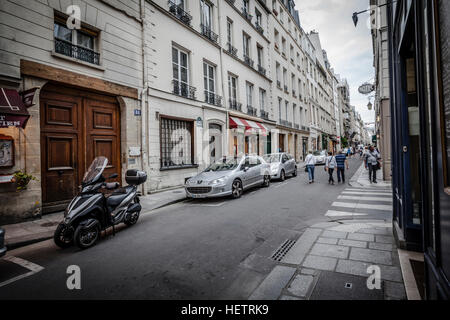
column 183, row 89
column 289, row 124
column 77, row 52
column 297, row 126
column 231, row 2
column 234, row 105
column 179, row 13
column 259, row 28
column 252, row 111
column 207, row 32
column 261, row 70
column 292, row 61
column 293, row 94
column 286, row 89
column 279, row 84
column 247, row 15
column 232, row 50
column 212, row 98
column 248, row 61
column 303, row 128
column 264, row 115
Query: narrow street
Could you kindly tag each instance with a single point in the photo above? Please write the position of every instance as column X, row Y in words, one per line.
column 202, row 249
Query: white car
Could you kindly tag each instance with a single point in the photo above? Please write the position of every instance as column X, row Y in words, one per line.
column 320, row 156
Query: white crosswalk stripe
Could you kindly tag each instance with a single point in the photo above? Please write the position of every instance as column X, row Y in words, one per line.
column 364, row 198
column 360, row 206
column 365, row 190
column 332, row 213
column 385, row 194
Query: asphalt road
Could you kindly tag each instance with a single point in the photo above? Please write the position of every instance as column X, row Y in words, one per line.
column 202, row 249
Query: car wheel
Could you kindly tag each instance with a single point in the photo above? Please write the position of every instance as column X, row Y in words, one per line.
column 236, row 189
column 294, row 174
column 282, row 175
column 266, row 182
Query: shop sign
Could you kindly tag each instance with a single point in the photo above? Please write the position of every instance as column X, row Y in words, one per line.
column 366, row 88
column 13, row 112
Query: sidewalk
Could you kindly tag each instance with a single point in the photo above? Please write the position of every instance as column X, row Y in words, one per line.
column 333, row 260
column 25, row 233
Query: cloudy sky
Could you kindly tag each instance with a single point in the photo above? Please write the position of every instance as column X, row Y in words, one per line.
column 349, row 49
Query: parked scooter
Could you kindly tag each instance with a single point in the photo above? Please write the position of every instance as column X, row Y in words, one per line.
column 91, row 212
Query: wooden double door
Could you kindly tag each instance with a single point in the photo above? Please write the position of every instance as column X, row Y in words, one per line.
column 76, row 127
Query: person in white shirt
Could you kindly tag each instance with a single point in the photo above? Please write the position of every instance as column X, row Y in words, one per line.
column 371, row 162
column 310, row 162
column 330, row 164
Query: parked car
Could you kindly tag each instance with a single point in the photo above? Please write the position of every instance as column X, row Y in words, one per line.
column 229, row 177
column 320, row 156
column 281, row 165
column 2, row 242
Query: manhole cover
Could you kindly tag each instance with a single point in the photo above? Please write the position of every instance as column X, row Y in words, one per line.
column 283, row 250
column 49, row 224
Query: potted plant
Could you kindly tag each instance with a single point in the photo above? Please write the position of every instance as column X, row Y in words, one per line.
column 22, row 179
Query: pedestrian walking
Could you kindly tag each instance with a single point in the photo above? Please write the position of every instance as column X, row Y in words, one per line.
column 330, row 165
column 310, row 162
column 341, row 164
column 349, row 152
column 371, row 161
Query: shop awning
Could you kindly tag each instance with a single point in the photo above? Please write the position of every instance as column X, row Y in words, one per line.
column 249, row 125
column 13, row 112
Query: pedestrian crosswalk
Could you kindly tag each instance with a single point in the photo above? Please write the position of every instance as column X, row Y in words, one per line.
column 362, row 202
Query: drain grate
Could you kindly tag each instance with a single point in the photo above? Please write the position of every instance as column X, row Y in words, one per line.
column 283, row 250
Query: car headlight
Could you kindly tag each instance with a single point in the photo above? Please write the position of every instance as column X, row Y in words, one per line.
column 274, row 168
column 219, row 181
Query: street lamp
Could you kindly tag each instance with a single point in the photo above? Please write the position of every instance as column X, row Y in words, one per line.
column 356, row 14
column 369, row 105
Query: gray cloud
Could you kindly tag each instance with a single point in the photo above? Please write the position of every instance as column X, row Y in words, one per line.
column 349, row 49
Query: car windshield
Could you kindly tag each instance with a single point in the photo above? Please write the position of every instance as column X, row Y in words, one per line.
column 271, row 158
column 95, row 169
column 317, row 153
column 224, row 165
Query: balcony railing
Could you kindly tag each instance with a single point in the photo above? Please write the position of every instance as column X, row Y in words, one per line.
column 207, row 32
column 179, row 13
column 264, row 115
column 297, row 126
column 293, row 94
column 279, row 84
column 183, row 89
column 232, row 50
column 77, row 52
column 261, row 70
column 248, row 61
column 247, row 15
column 234, row 105
column 252, row 111
column 212, row 98
column 259, row 28
column 286, row 89
column 289, row 124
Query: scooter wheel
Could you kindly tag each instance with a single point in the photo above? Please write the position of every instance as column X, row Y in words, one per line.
column 133, row 219
column 86, row 238
column 63, row 236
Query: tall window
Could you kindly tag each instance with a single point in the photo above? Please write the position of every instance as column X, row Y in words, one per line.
column 294, row 112
column 176, row 143
column 180, row 71
column 286, row 104
column 209, row 75
column 230, row 31
column 232, row 88
column 206, row 14
column 280, row 101
column 262, row 99
column 285, row 79
column 283, row 45
column 278, row 70
column 249, row 88
column 246, row 6
column 246, row 45
column 258, row 18
column 260, row 55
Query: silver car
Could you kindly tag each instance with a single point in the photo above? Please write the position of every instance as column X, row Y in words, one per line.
column 281, row 165
column 229, row 177
column 320, row 156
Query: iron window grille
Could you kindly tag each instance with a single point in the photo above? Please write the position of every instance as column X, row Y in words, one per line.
column 179, row 13
column 259, row 28
column 246, row 14
column 248, row 61
column 212, row 98
column 261, row 70
column 207, row 32
column 176, row 139
column 183, row 89
column 77, row 52
column 264, row 115
column 234, row 105
column 232, row 50
column 252, row 111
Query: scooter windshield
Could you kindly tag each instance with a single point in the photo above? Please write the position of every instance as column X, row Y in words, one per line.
column 95, row 170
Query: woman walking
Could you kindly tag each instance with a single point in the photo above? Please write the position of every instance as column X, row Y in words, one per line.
column 310, row 162
column 330, row 164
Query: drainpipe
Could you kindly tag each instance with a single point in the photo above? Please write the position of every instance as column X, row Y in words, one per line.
column 144, row 111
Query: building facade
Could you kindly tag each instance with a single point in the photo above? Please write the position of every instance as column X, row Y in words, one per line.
column 419, row 59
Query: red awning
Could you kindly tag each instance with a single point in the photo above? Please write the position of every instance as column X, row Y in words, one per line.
column 249, row 125
column 13, row 112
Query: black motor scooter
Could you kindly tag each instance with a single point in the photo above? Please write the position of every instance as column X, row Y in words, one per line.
column 91, row 211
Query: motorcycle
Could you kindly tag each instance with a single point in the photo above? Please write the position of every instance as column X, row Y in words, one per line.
column 91, row 211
